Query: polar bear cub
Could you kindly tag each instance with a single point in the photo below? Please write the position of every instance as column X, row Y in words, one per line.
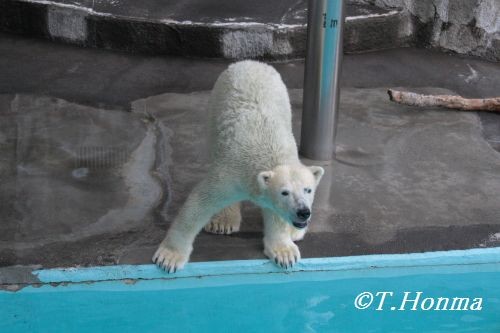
column 253, row 157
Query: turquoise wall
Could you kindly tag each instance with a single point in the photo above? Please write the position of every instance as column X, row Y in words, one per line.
column 254, row 296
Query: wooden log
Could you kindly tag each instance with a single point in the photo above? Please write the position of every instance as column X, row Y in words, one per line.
column 446, row 101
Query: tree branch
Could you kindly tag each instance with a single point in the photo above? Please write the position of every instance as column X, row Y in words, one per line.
column 446, row 101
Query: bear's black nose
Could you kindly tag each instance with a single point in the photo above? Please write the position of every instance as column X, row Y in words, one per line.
column 304, row 213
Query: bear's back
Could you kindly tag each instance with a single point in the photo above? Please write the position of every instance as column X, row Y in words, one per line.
column 251, row 114
column 251, row 85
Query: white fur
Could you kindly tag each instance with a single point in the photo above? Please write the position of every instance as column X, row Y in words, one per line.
column 254, row 157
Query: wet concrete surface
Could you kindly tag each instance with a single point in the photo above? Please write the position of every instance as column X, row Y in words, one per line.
column 114, row 80
column 404, row 180
column 99, row 150
column 70, row 171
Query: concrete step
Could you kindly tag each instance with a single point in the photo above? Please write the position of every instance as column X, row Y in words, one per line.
column 230, row 29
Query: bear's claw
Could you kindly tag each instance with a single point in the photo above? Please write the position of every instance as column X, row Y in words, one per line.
column 169, row 260
column 220, row 229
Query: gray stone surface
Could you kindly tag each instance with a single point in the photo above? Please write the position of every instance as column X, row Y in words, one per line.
column 463, row 26
column 404, row 180
column 11, row 276
column 67, row 24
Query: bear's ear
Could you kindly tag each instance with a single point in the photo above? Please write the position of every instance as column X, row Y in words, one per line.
column 317, row 172
column 263, row 178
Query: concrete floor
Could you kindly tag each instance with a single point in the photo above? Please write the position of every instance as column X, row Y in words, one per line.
column 99, row 150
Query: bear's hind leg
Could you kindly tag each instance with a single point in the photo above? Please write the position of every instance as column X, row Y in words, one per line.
column 227, row 221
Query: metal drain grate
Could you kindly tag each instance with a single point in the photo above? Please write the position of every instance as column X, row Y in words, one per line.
column 99, row 157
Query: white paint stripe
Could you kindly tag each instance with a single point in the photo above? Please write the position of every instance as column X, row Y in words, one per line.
column 65, row 5
column 234, row 24
column 212, row 24
column 361, row 17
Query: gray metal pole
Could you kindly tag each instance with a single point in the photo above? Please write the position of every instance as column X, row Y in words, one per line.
column 321, row 90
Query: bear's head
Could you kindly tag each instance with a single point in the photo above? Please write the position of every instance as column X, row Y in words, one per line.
column 289, row 191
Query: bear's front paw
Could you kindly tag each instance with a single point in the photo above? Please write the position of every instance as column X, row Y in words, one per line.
column 170, row 260
column 284, row 254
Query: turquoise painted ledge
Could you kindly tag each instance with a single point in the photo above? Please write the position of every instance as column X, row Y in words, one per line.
column 318, row 295
column 235, row 267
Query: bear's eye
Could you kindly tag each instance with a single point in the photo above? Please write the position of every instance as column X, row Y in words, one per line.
column 307, row 190
column 285, row 193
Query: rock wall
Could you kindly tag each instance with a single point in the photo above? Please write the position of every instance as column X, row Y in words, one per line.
column 469, row 27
